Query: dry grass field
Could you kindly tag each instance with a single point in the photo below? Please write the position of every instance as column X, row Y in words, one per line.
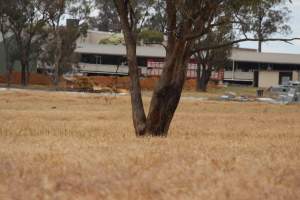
column 60, row 146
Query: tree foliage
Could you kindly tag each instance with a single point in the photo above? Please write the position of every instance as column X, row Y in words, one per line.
column 210, row 60
column 61, row 39
column 265, row 18
column 107, row 18
column 26, row 20
column 147, row 36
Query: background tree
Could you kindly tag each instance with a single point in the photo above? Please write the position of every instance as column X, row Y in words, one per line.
column 26, row 20
column 147, row 36
column 157, row 19
column 115, row 39
column 107, row 18
column 5, row 34
column 212, row 59
column 61, row 39
column 266, row 18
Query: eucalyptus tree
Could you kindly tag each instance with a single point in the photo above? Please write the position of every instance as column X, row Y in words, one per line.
column 107, row 18
column 268, row 17
column 186, row 22
column 61, row 33
column 26, row 20
column 210, row 60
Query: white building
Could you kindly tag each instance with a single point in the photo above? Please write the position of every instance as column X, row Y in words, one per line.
column 247, row 66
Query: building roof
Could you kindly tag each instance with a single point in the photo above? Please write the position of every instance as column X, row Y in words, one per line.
column 276, row 58
column 238, row 54
column 142, row 51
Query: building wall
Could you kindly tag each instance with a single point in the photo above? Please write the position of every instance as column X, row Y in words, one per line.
column 296, row 76
column 268, row 78
column 271, row 78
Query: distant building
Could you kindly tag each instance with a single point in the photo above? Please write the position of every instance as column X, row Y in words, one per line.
column 247, row 66
column 263, row 69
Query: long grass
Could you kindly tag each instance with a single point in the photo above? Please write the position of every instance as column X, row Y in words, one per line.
column 76, row 146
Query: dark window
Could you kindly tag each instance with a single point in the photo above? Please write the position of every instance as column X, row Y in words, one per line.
column 88, row 58
column 285, row 77
column 142, row 61
column 112, row 60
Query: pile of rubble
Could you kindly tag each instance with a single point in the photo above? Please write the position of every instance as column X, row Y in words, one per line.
column 283, row 94
column 231, row 96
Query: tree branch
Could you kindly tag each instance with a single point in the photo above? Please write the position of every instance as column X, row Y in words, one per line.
column 243, row 40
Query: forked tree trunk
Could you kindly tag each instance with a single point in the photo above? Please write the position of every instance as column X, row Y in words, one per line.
column 167, row 93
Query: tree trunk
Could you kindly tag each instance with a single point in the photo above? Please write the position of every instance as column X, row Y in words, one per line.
column 203, row 80
column 23, row 71
column 130, row 36
column 167, row 93
column 7, row 58
column 57, row 59
column 8, row 66
column 164, row 103
column 138, row 112
column 259, row 46
column 8, row 74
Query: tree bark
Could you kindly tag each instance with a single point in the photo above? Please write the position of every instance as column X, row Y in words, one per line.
column 138, row 112
column 57, row 58
column 8, row 74
column 7, row 61
column 203, row 79
column 130, row 35
column 24, row 65
column 167, row 93
column 259, row 46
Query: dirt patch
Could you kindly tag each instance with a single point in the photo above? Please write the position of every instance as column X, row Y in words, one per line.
column 34, row 79
column 103, row 81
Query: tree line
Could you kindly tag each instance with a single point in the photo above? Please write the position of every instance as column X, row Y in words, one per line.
column 37, row 30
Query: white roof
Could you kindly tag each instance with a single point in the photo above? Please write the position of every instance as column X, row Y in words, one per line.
column 253, row 56
column 242, row 55
column 142, row 51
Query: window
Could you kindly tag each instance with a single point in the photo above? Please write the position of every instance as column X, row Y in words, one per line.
column 98, row 60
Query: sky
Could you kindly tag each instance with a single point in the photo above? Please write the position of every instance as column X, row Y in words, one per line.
column 283, row 47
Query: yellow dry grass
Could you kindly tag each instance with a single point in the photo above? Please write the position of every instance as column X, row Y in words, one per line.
column 73, row 146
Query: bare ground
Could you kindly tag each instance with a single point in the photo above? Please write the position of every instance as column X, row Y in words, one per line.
column 75, row 146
